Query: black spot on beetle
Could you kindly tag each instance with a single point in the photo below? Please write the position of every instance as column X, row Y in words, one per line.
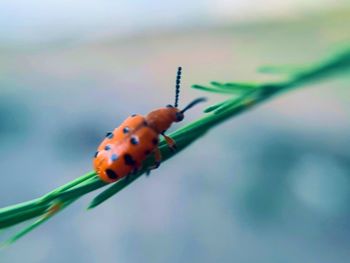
column 111, row 174
column 107, row 147
column 155, row 141
column 145, row 123
column 126, row 130
column 129, row 160
column 147, row 152
column 109, row 135
column 133, row 115
column 114, row 157
column 134, row 140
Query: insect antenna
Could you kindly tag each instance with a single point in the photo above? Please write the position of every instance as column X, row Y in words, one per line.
column 177, row 87
column 196, row 101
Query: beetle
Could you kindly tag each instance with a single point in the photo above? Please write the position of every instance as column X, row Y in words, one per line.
column 124, row 149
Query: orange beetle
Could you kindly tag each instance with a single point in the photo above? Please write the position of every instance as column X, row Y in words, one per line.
column 123, row 150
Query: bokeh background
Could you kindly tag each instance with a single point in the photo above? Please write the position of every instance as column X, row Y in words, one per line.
column 271, row 186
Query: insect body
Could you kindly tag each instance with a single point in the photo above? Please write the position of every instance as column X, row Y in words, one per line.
column 123, row 150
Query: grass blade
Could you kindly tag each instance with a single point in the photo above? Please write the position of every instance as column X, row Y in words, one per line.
column 53, row 210
column 212, row 89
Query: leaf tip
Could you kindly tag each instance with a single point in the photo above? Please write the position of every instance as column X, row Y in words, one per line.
column 215, row 83
column 91, row 206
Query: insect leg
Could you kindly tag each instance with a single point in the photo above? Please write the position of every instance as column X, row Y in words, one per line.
column 133, row 172
column 171, row 143
column 158, row 159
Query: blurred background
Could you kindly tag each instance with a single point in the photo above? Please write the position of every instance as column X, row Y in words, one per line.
column 271, row 186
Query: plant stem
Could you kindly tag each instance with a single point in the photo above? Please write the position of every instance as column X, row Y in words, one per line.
column 244, row 97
